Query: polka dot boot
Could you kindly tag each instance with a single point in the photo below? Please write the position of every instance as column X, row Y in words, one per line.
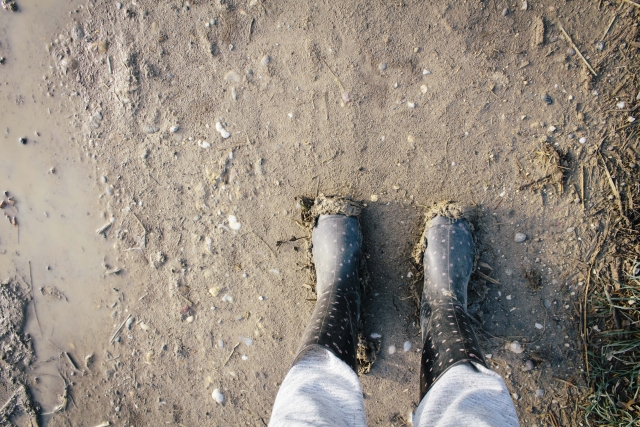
column 447, row 336
column 337, row 244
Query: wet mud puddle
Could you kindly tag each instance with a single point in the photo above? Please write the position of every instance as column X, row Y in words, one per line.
column 52, row 248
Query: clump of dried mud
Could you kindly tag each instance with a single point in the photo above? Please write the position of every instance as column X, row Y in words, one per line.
column 16, row 354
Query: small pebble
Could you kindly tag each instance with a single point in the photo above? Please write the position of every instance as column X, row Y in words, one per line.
column 505, row 11
column 190, row 319
column 375, row 335
column 130, row 322
column 539, row 326
column 515, row 347
column 571, row 51
column 217, row 396
column 233, row 77
column 119, row 5
column 600, row 46
column 423, row 89
column 621, row 104
column 411, row 104
column 247, row 341
column 426, row 72
column 174, row 129
column 22, row 140
column 520, row 237
column 220, row 344
column 546, row 99
column 222, row 131
column 265, row 60
column 407, row 346
column 382, row 66
column 583, row 140
column 528, row 366
column 392, row 349
column 539, row 392
column 227, row 298
column 245, row 357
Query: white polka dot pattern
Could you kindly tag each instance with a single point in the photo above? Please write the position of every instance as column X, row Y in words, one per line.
column 448, row 338
column 337, row 244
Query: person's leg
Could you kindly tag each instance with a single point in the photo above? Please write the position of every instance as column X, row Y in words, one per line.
column 321, row 388
column 456, row 387
column 467, row 395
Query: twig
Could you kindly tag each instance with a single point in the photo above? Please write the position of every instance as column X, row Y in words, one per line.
column 582, row 186
column 578, row 50
column 73, row 364
column 537, row 181
column 110, row 67
column 113, row 337
column 614, row 189
column 566, row 382
column 619, row 87
column 487, row 278
column 262, row 240
column 326, row 106
column 334, row 75
column 229, row 358
column 34, row 300
column 251, row 27
column 609, row 26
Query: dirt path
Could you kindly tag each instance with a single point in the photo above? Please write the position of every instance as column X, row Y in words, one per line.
column 398, row 104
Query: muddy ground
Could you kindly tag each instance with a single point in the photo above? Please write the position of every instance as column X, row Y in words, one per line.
column 203, row 282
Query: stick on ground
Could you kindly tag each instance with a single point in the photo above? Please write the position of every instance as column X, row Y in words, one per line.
column 573, row 45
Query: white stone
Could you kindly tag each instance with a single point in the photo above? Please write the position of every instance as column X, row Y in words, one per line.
column 233, row 223
column 539, row 326
column 392, row 349
column 583, row 140
column 407, row 346
column 222, row 131
column 520, row 237
column 217, row 396
column 515, row 347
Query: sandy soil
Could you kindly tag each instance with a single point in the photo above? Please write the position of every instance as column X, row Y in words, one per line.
column 399, row 104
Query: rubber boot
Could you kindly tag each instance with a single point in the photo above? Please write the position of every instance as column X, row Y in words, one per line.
column 447, row 336
column 337, row 244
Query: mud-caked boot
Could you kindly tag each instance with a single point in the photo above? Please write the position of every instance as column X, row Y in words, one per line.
column 447, row 336
column 337, row 244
